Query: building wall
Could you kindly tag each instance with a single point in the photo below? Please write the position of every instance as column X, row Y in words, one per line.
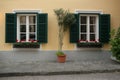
column 47, row 6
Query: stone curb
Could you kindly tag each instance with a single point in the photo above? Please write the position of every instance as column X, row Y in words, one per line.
column 55, row 73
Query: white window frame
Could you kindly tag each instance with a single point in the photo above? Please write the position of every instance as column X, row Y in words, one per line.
column 88, row 28
column 27, row 26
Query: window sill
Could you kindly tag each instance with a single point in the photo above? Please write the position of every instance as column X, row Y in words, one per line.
column 89, row 45
column 26, row 45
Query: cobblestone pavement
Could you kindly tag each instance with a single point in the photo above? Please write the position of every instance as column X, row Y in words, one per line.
column 77, row 62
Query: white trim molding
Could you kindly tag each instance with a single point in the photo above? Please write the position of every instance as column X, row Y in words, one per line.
column 88, row 11
column 26, row 11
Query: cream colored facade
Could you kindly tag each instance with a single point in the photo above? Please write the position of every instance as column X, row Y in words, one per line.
column 47, row 6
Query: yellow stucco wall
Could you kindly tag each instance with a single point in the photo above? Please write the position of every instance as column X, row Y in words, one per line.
column 47, row 6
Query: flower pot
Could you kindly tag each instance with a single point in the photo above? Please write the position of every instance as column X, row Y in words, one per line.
column 61, row 59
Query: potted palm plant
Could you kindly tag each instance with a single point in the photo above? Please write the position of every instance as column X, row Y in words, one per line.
column 65, row 20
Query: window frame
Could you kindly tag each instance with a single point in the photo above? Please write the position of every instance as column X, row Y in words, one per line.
column 88, row 27
column 27, row 26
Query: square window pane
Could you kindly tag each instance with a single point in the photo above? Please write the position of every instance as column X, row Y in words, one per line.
column 83, row 19
column 83, row 28
column 32, row 19
column 92, row 20
column 22, row 19
column 92, row 37
column 23, row 37
column 92, row 28
column 32, row 36
column 32, row 28
column 22, row 28
column 83, row 37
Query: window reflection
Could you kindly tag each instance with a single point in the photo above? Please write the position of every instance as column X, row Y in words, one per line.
column 32, row 20
column 22, row 19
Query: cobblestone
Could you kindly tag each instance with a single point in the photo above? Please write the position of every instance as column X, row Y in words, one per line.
column 87, row 62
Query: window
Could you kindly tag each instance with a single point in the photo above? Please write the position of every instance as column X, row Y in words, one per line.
column 26, row 27
column 88, row 28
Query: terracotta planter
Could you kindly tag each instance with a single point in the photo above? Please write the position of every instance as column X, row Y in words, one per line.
column 61, row 59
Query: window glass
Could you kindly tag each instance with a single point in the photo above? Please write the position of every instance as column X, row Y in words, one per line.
column 92, row 28
column 23, row 37
column 83, row 20
column 92, row 37
column 83, row 37
column 32, row 28
column 22, row 28
column 27, row 27
column 88, row 28
column 32, row 19
column 83, row 28
column 22, row 19
column 92, row 20
column 32, row 36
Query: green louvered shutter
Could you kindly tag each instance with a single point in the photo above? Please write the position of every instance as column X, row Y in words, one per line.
column 10, row 36
column 104, row 28
column 74, row 30
column 42, row 25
